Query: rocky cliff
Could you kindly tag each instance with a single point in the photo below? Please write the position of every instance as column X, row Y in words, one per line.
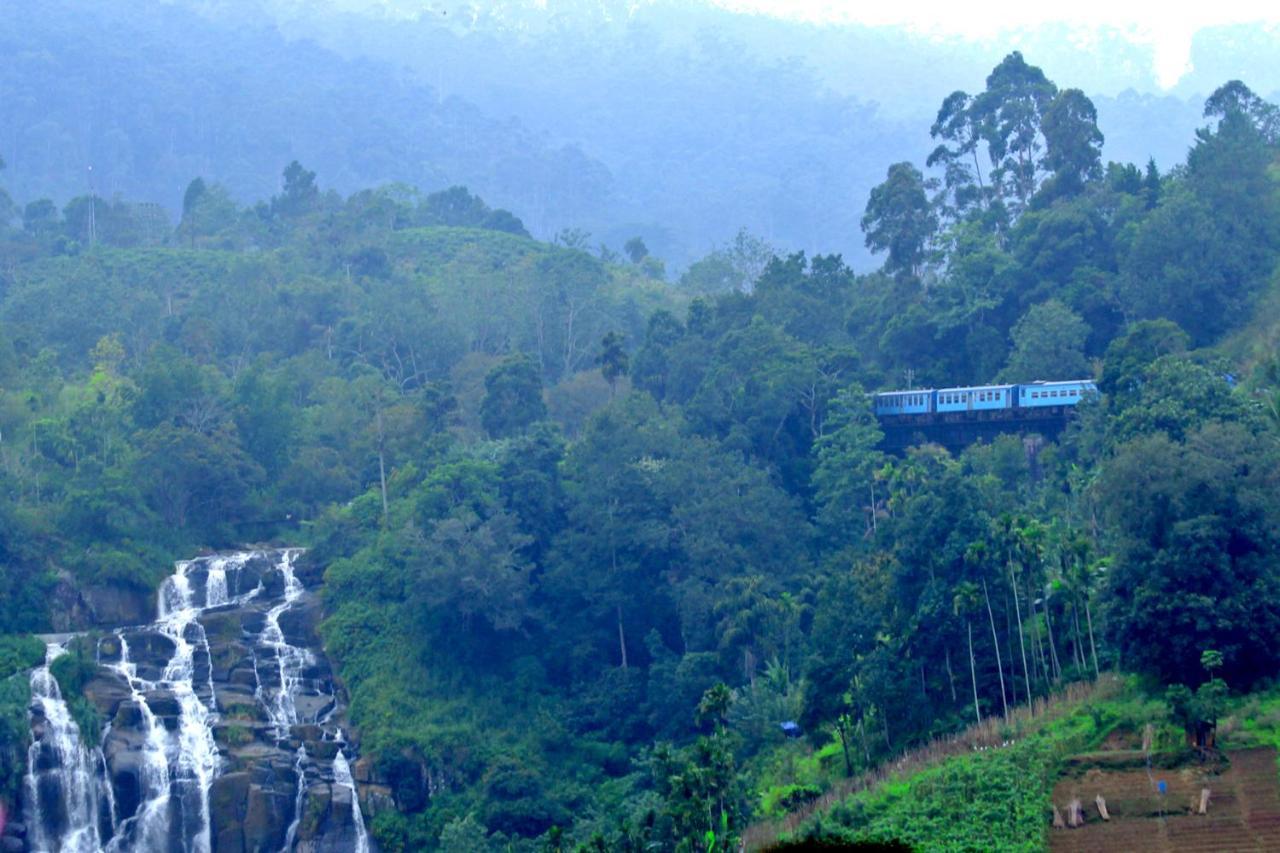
column 221, row 727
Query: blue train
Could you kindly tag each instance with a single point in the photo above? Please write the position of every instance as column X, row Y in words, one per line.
column 1038, row 395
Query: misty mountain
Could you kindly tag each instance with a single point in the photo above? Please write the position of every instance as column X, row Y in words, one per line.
column 678, row 122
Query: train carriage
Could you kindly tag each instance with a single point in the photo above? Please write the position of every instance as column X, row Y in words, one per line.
column 1036, row 395
column 914, row 402
column 980, row 398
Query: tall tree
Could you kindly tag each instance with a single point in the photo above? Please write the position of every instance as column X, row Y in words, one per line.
column 900, row 220
column 1010, row 112
column 1048, row 343
column 614, row 362
column 512, row 397
column 1073, row 143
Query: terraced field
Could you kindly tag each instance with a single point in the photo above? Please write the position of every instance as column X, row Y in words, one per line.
column 1244, row 812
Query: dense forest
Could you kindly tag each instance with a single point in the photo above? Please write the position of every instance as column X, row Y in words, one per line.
column 588, row 536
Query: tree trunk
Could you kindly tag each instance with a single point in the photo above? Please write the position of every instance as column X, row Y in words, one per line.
column 973, row 673
column 951, row 676
column 995, row 638
column 844, row 745
column 1017, row 609
column 622, row 639
column 1077, row 645
column 1053, row 647
column 382, row 468
column 1092, row 648
column 1038, row 656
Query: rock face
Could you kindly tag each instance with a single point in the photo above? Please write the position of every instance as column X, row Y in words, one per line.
column 220, row 726
column 76, row 607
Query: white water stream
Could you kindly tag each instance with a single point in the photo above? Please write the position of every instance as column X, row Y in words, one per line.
column 65, row 791
column 342, row 776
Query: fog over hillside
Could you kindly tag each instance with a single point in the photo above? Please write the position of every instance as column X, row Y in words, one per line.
column 677, row 121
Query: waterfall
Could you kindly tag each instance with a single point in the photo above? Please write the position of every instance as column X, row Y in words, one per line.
column 65, row 791
column 148, row 828
column 342, row 776
column 290, row 660
column 161, row 745
column 299, row 767
column 196, row 755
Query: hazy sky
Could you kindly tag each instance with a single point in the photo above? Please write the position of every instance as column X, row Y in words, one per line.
column 1168, row 27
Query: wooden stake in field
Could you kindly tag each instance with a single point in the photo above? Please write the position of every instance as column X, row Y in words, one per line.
column 1075, row 813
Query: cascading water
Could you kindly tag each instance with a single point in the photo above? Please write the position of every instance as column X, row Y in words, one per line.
column 342, row 776
column 166, row 743
column 300, row 793
column 66, row 798
column 195, row 759
column 147, row 829
column 279, row 696
column 289, row 660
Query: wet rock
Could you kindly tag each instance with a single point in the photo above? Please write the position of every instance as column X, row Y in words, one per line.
column 107, row 690
column 243, row 677
column 164, row 704
column 327, row 824
column 250, row 574
column 228, row 802
column 299, row 622
column 128, row 716
column 375, row 799
column 237, row 702
column 324, row 750
column 267, row 818
column 306, row 732
column 313, row 707
column 150, row 651
column 272, row 583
